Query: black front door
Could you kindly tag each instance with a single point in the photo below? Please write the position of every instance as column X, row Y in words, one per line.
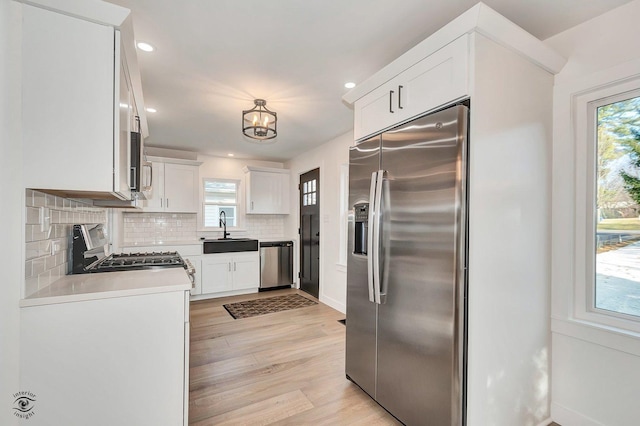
column 310, row 232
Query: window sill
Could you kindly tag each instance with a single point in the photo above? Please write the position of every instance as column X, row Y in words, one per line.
column 610, row 337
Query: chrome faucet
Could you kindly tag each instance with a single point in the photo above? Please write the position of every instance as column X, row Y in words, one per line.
column 223, row 225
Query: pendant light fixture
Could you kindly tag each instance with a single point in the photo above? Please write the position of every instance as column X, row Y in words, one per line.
column 260, row 123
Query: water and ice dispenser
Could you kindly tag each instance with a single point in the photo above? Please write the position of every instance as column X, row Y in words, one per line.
column 361, row 213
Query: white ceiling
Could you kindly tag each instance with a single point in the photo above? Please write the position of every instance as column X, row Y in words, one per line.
column 213, row 58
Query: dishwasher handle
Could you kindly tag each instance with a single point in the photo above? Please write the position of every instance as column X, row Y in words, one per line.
column 276, row 244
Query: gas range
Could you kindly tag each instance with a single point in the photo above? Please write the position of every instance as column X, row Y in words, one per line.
column 90, row 255
column 135, row 261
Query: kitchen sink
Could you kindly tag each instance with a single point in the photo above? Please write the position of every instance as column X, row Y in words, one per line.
column 229, row 245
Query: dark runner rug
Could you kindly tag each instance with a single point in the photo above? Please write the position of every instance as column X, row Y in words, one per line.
column 252, row 308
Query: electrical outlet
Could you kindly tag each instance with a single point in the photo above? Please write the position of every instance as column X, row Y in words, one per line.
column 45, row 219
column 55, row 247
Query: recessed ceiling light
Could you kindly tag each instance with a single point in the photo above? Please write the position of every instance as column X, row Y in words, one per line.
column 151, row 110
column 230, row 154
column 350, row 85
column 145, row 46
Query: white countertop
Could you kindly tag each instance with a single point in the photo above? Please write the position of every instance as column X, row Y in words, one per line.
column 103, row 285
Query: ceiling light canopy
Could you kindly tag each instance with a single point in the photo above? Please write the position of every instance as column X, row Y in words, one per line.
column 259, row 122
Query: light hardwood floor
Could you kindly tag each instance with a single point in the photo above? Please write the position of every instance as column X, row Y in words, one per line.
column 285, row 368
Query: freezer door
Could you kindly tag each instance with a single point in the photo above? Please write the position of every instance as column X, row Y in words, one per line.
column 419, row 352
column 364, row 159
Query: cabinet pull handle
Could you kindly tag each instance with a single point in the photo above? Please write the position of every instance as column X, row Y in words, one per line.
column 229, row 266
column 252, row 206
column 234, row 266
column 161, row 199
column 400, row 97
column 132, row 177
column 391, row 92
column 167, row 203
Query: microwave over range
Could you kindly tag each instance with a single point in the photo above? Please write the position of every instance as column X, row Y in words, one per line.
column 140, row 179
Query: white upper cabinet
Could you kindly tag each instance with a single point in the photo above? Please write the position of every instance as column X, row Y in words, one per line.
column 441, row 70
column 76, row 102
column 267, row 190
column 432, row 82
column 174, row 187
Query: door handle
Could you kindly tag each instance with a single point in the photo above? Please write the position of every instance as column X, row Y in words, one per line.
column 400, row 97
column 376, row 237
column 370, row 245
column 391, row 92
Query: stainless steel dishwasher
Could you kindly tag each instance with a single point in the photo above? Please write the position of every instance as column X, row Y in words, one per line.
column 276, row 264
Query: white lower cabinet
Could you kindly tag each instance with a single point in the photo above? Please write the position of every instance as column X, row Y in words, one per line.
column 226, row 272
column 113, row 361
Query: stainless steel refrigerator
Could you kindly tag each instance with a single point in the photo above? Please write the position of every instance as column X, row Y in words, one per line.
column 406, row 275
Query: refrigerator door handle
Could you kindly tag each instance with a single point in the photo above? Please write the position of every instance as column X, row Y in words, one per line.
column 370, row 235
column 376, row 236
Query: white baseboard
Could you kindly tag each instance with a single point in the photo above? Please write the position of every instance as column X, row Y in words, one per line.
column 335, row 304
column 567, row 417
column 222, row 294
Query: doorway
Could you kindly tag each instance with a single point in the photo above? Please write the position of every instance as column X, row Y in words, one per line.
column 310, row 232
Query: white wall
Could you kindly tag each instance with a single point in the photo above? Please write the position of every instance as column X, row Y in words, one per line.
column 255, row 226
column 595, row 371
column 329, row 157
column 11, row 207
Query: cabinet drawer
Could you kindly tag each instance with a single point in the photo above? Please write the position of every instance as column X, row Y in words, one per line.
column 437, row 80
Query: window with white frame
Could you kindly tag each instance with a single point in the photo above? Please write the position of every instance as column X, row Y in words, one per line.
column 613, row 288
column 220, row 195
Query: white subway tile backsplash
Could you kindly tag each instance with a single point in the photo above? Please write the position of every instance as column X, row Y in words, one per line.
column 154, row 228
column 44, row 279
column 33, row 215
column 42, row 269
column 31, row 250
column 31, row 285
column 38, row 266
column 28, row 269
